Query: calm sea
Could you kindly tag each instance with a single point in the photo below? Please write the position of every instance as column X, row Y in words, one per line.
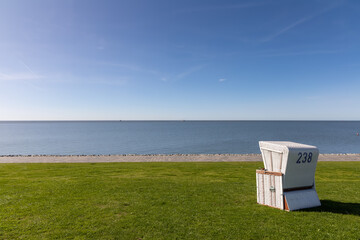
column 171, row 137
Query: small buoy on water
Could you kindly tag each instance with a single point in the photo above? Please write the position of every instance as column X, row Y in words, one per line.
column 357, row 134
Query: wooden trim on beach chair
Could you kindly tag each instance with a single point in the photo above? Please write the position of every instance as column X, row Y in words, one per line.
column 269, row 173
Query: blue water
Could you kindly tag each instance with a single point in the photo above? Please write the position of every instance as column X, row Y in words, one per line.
column 211, row 137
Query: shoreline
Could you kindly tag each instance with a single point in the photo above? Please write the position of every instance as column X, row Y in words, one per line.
column 158, row 158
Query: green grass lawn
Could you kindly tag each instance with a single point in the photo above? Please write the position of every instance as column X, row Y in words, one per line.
column 168, row 201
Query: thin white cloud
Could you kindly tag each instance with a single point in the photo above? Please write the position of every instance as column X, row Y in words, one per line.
column 131, row 67
column 296, row 23
column 223, row 7
column 315, row 52
column 188, row 72
column 222, row 79
column 27, row 67
column 111, row 82
column 136, row 68
column 162, row 76
column 282, row 31
column 19, row 76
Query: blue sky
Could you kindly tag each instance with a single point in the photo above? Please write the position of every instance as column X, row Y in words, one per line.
column 170, row 60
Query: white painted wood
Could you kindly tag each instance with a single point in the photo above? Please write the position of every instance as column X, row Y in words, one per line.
column 278, row 188
column 260, row 188
column 257, row 189
column 298, row 170
column 284, row 159
column 264, row 183
column 283, row 148
column 302, row 199
column 268, row 160
column 273, row 191
column 281, row 192
column 276, row 161
column 300, row 174
column 267, row 190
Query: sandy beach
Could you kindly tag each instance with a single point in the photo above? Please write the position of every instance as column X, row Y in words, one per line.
column 157, row 158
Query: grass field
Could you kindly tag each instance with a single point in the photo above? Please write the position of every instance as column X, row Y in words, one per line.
column 168, row 201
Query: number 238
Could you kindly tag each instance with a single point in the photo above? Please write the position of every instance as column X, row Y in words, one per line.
column 304, row 157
